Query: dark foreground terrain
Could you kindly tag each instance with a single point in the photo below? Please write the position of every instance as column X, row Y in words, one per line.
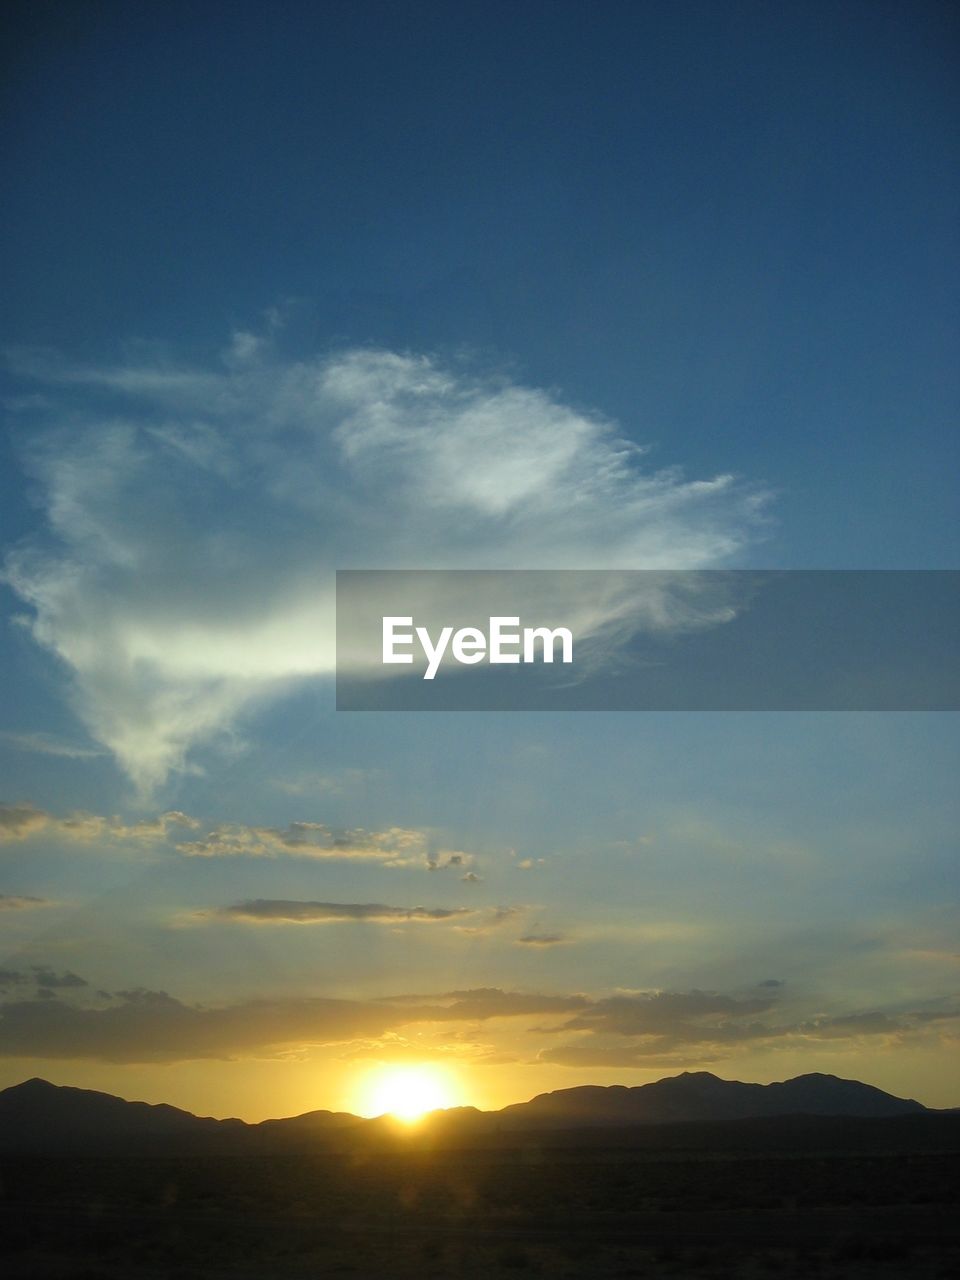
column 394, row 1212
column 691, row 1176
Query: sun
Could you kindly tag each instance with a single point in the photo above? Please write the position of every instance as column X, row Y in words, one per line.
column 407, row 1092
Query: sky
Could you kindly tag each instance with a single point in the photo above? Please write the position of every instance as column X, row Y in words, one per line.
column 297, row 288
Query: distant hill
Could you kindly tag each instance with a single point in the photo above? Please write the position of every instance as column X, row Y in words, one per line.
column 700, row 1096
column 38, row 1116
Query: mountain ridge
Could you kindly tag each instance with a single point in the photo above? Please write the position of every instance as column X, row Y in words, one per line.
column 702, row 1096
column 38, row 1115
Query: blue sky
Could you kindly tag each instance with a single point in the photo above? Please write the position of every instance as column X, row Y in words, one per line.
column 237, row 242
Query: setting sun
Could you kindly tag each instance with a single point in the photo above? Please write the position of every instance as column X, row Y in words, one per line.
column 407, row 1092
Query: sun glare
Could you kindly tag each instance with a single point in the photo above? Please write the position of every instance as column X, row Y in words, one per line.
column 407, row 1092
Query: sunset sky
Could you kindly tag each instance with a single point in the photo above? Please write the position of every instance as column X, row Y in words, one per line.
column 298, row 287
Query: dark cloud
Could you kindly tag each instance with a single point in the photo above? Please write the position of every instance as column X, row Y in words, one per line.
column 544, row 940
column 691, row 1013
column 650, row 1028
column 852, row 1025
column 26, row 902
column 663, row 1029
column 152, row 1026
column 57, row 981
column 281, row 911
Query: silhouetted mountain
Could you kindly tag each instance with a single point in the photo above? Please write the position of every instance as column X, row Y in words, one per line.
column 700, row 1096
column 311, row 1122
column 37, row 1116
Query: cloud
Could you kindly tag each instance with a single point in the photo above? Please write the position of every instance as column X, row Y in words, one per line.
column 56, row 981
column 152, row 1026
column 677, row 1014
column 393, row 847
column 657, row 1028
column 493, row 918
column 11, row 902
column 67, row 1020
column 328, row 784
column 280, row 911
column 544, row 940
column 686, row 1028
column 852, row 1026
column 450, row 860
column 194, row 517
column 47, row 744
column 21, row 822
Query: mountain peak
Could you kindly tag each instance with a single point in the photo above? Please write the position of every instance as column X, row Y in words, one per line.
column 34, row 1085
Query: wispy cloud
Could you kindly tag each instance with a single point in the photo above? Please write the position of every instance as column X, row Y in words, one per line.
column 339, row 782
column 47, row 744
column 193, row 529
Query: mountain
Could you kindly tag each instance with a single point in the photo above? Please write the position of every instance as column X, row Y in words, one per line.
column 38, row 1116
column 700, row 1096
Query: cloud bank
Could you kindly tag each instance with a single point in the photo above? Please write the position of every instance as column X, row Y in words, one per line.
column 194, row 517
column 65, row 1020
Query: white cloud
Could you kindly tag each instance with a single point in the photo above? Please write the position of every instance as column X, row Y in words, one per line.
column 193, row 524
